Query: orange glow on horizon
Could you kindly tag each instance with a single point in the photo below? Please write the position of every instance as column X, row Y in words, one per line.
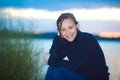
column 37, row 32
column 109, row 34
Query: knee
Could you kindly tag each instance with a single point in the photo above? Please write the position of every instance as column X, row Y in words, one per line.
column 58, row 74
column 58, row 70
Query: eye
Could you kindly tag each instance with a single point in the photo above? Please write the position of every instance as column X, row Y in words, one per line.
column 62, row 29
column 71, row 27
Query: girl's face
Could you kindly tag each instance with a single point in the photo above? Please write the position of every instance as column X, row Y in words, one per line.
column 68, row 30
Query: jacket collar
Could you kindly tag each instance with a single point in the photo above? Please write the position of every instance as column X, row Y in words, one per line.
column 76, row 40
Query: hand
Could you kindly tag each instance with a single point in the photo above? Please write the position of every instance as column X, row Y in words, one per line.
column 46, row 57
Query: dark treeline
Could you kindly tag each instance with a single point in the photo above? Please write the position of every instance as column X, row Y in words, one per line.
column 46, row 35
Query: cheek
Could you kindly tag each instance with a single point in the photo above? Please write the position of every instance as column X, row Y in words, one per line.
column 63, row 34
column 75, row 29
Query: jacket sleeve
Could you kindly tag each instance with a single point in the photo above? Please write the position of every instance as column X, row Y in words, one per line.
column 57, row 52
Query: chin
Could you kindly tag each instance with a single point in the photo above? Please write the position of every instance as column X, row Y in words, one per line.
column 70, row 40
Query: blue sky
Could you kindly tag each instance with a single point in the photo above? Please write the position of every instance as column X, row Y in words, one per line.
column 59, row 4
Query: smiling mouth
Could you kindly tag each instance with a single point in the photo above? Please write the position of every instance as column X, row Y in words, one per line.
column 69, row 36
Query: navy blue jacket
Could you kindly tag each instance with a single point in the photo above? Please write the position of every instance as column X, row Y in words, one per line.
column 84, row 53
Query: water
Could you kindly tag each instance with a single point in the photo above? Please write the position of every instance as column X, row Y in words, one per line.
column 111, row 51
column 112, row 54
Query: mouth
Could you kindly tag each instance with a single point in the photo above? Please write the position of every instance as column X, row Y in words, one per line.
column 70, row 37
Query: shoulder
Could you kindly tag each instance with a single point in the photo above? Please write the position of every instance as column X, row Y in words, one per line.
column 56, row 37
column 87, row 35
column 89, row 38
column 57, row 40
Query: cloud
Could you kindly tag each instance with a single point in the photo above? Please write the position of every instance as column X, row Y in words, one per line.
column 80, row 14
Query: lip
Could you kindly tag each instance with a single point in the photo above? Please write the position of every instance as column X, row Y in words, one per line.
column 69, row 36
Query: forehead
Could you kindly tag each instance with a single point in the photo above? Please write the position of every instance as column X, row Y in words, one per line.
column 67, row 22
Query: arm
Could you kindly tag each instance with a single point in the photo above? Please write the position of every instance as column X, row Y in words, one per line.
column 53, row 50
column 57, row 52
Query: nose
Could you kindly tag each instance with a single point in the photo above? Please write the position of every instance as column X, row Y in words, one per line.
column 67, row 32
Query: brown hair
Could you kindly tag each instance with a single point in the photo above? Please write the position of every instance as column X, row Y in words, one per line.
column 64, row 16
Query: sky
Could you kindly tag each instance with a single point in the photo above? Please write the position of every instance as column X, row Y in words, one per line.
column 94, row 16
column 59, row 4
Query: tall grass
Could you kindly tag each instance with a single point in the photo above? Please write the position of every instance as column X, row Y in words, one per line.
column 18, row 60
